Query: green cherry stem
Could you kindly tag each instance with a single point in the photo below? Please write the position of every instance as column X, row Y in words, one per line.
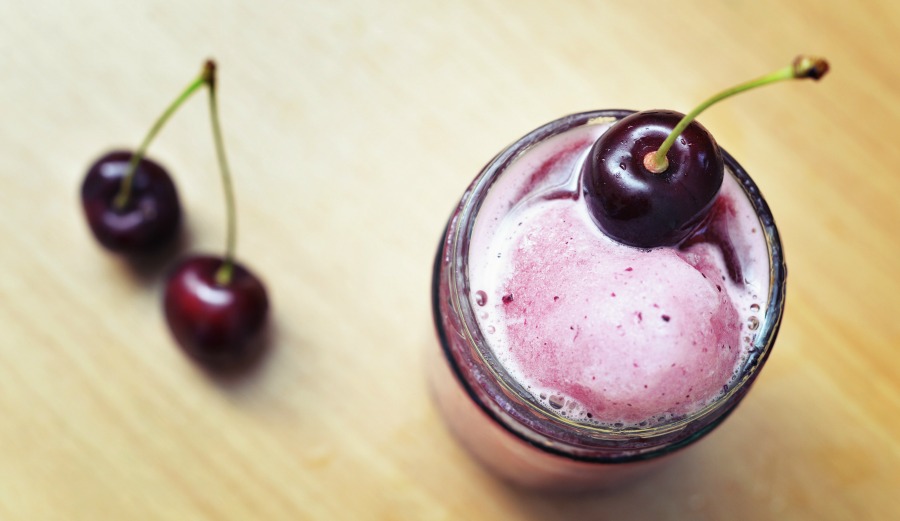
column 224, row 273
column 802, row 67
column 123, row 197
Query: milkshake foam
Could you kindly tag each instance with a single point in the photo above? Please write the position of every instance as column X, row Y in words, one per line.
column 599, row 332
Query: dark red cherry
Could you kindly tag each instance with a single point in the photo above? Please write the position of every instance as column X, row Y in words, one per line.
column 215, row 324
column 149, row 219
column 644, row 209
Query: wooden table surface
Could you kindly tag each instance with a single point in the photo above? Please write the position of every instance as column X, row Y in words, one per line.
column 353, row 128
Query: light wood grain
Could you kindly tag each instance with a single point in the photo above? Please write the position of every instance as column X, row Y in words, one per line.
column 353, row 128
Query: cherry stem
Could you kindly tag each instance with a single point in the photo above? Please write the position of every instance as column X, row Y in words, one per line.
column 123, row 197
column 225, row 272
column 802, row 67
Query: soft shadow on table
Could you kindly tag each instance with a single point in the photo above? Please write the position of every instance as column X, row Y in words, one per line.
column 149, row 269
column 660, row 495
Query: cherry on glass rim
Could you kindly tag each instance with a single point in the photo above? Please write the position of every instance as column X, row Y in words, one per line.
column 645, row 209
column 651, row 178
column 152, row 215
column 216, row 324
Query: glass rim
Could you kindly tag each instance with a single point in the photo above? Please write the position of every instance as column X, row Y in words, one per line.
column 459, row 290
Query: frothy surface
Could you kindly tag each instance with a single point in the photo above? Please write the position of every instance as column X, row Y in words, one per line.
column 598, row 331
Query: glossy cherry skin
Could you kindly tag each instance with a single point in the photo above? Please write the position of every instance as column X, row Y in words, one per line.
column 637, row 207
column 215, row 324
column 152, row 215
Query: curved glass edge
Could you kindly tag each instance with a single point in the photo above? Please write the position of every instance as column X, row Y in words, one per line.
column 583, row 437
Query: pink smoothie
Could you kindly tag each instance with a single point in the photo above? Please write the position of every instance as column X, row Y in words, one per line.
column 603, row 333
